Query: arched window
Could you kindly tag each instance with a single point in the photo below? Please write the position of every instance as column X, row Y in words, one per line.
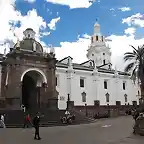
column 125, row 97
column 83, row 97
column 107, row 97
column 138, row 93
column 91, row 64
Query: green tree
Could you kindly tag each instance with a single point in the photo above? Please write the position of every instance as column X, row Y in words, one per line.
column 135, row 65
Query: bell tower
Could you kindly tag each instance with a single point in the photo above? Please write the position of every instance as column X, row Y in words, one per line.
column 98, row 51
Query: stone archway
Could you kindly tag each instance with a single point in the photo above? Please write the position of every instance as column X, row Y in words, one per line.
column 32, row 80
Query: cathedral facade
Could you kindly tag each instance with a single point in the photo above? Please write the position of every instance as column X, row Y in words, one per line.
column 36, row 79
column 94, row 82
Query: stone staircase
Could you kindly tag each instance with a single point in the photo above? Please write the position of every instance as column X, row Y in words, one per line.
column 81, row 118
column 15, row 118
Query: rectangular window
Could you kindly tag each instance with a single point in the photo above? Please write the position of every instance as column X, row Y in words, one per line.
column 134, row 103
column 56, row 81
column 123, row 85
column 118, row 103
column 104, row 62
column 81, row 82
column 105, row 84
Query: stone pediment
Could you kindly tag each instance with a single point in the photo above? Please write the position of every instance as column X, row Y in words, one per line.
column 88, row 63
column 66, row 60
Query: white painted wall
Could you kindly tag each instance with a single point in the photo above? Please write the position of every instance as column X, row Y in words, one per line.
column 94, row 90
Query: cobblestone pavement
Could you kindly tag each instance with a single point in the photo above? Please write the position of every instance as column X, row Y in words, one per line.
column 107, row 131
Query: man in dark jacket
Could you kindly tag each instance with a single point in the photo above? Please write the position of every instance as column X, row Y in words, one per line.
column 36, row 122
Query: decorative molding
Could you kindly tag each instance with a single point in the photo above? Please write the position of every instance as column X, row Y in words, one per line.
column 36, row 70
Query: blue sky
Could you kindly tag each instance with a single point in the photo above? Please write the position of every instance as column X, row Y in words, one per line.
column 73, row 20
column 81, row 20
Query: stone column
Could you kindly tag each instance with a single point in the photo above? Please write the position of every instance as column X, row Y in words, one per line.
column 69, row 84
column 70, row 103
column 2, row 99
column 96, row 87
column 14, row 96
column 52, row 101
column 117, row 89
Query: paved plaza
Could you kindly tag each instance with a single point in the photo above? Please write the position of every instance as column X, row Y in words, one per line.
column 106, row 131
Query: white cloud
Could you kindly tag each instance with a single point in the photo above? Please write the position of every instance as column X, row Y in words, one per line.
column 77, row 49
column 45, row 33
column 30, row 1
column 123, row 9
column 7, row 15
column 112, row 9
column 130, row 30
column 134, row 20
column 52, row 24
column 10, row 17
column 120, row 45
column 31, row 20
column 73, row 3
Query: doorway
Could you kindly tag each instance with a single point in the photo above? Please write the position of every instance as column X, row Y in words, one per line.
column 29, row 93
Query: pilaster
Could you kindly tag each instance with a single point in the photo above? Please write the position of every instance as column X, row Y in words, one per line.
column 70, row 73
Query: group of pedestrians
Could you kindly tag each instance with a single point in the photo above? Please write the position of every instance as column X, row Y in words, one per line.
column 138, row 116
column 35, row 122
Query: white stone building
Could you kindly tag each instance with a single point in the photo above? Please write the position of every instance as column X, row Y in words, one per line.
column 94, row 80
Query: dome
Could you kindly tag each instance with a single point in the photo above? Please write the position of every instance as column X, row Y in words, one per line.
column 29, row 29
column 27, row 44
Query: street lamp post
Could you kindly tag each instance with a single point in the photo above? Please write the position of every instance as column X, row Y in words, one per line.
column 86, row 112
column 68, row 100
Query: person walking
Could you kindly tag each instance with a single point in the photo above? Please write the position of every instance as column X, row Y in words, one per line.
column 27, row 121
column 36, row 122
column 2, row 123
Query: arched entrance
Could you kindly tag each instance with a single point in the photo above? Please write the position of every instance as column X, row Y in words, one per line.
column 32, row 81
